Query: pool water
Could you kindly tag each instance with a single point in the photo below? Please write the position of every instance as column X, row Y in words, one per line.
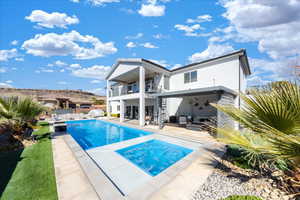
column 154, row 156
column 95, row 133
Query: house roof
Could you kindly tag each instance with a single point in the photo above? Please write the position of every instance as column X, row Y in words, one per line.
column 190, row 92
column 241, row 52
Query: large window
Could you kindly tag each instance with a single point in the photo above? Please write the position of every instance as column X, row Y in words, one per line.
column 190, row 77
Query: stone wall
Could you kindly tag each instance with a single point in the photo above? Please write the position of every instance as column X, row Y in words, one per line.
column 223, row 119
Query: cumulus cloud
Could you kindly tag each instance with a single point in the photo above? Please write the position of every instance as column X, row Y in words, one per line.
column 211, row 52
column 95, row 72
column 149, row 45
column 52, row 44
column 130, row 45
column 52, row 20
column 5, row 85
column 152, row 10
column 191, row 30
column 75, row 66
column 95, row 81
column 14, row 42
column 200, row 19
column 5, row 55
column 273, row 24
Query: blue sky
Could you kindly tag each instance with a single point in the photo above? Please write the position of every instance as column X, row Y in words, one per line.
column 71, row 44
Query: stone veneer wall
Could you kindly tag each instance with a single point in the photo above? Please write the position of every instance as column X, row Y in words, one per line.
column 224, row 120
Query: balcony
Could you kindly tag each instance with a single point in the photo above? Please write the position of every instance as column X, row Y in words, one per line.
column 118, row 90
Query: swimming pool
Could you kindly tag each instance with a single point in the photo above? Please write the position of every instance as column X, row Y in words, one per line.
column 95, row 133
column 154, row 156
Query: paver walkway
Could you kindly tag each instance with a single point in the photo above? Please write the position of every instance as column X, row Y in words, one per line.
column 72, row 183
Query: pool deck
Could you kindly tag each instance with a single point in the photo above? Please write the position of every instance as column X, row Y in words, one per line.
column 103, row 174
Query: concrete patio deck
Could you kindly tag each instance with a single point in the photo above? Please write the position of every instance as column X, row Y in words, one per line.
column 176, row 184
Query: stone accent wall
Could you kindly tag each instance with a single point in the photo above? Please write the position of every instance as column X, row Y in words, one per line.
column 223, row 119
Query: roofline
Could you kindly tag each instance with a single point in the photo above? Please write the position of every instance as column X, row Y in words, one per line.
column 191, row 92
column 241, row 52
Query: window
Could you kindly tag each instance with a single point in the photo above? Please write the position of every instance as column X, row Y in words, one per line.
column 194, row 76
column 118, row 108
column 190, row 77
column 186, row 77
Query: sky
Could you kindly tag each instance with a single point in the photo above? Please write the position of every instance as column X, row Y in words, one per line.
column 72, row 44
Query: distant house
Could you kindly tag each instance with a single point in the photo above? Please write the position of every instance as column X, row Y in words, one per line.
column 143, row 90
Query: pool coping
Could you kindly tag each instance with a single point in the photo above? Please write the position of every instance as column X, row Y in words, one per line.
column 107, row 190
column 100, row 182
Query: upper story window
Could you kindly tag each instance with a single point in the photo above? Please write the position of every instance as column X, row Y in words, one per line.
column 190, row 77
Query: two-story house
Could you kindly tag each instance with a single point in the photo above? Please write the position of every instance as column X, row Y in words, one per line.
column 143, row 90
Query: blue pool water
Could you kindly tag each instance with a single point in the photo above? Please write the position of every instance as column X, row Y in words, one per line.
column 154, row 156
column 96, row 133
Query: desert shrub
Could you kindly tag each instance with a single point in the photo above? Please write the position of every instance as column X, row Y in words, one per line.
column 239, row 197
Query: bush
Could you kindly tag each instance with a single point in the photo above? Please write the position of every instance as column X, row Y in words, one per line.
column 42, row 124
column 115, row 115
column 238, row 197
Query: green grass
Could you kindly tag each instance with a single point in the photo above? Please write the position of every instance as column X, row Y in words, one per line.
column 29, row 174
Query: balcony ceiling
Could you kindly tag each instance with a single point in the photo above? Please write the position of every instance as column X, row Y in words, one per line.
column 132, row 76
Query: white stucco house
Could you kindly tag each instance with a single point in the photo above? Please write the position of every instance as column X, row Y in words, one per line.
column 146, row 91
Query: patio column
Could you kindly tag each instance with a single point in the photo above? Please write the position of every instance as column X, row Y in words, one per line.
column 142, row 96
column 108, row 111
column 122, row 110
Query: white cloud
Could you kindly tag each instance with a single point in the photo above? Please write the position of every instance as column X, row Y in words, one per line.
column 134, row 37
column 51, row 20
column 52, row 44
column 152, row 10
column 95, row 81
column 149, row 45
column 2, row 70
column 14, row 42
column 60, row 63
column 5, row 55
column 130, row 45
column 176, row 66
column 95, row 72
column 191, row 30
column 75, row 66
column 273, row 24
column 75, row 1
column 161, row 62
column 102, row 2
column 160, row 36
column 5, row 85
column 19, row 59
column 200, row 19
column 9, row 81
column 211, row 52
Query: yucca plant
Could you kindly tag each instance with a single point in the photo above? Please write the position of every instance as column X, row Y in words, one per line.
column 270, row 121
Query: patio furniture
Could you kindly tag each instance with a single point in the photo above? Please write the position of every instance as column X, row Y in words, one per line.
column 182, row 120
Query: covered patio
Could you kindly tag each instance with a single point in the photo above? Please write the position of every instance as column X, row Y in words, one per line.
column 193, row 107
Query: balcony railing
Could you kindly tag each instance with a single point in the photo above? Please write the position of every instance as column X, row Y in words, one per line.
column 150, row 87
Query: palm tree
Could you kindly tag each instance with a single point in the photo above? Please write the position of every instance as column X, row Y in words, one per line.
column 20, row 112
column 271, row 125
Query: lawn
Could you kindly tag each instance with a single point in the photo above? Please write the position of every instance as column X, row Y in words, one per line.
column 29, row 173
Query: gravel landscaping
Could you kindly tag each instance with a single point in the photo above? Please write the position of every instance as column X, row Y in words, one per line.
column 225, row 182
